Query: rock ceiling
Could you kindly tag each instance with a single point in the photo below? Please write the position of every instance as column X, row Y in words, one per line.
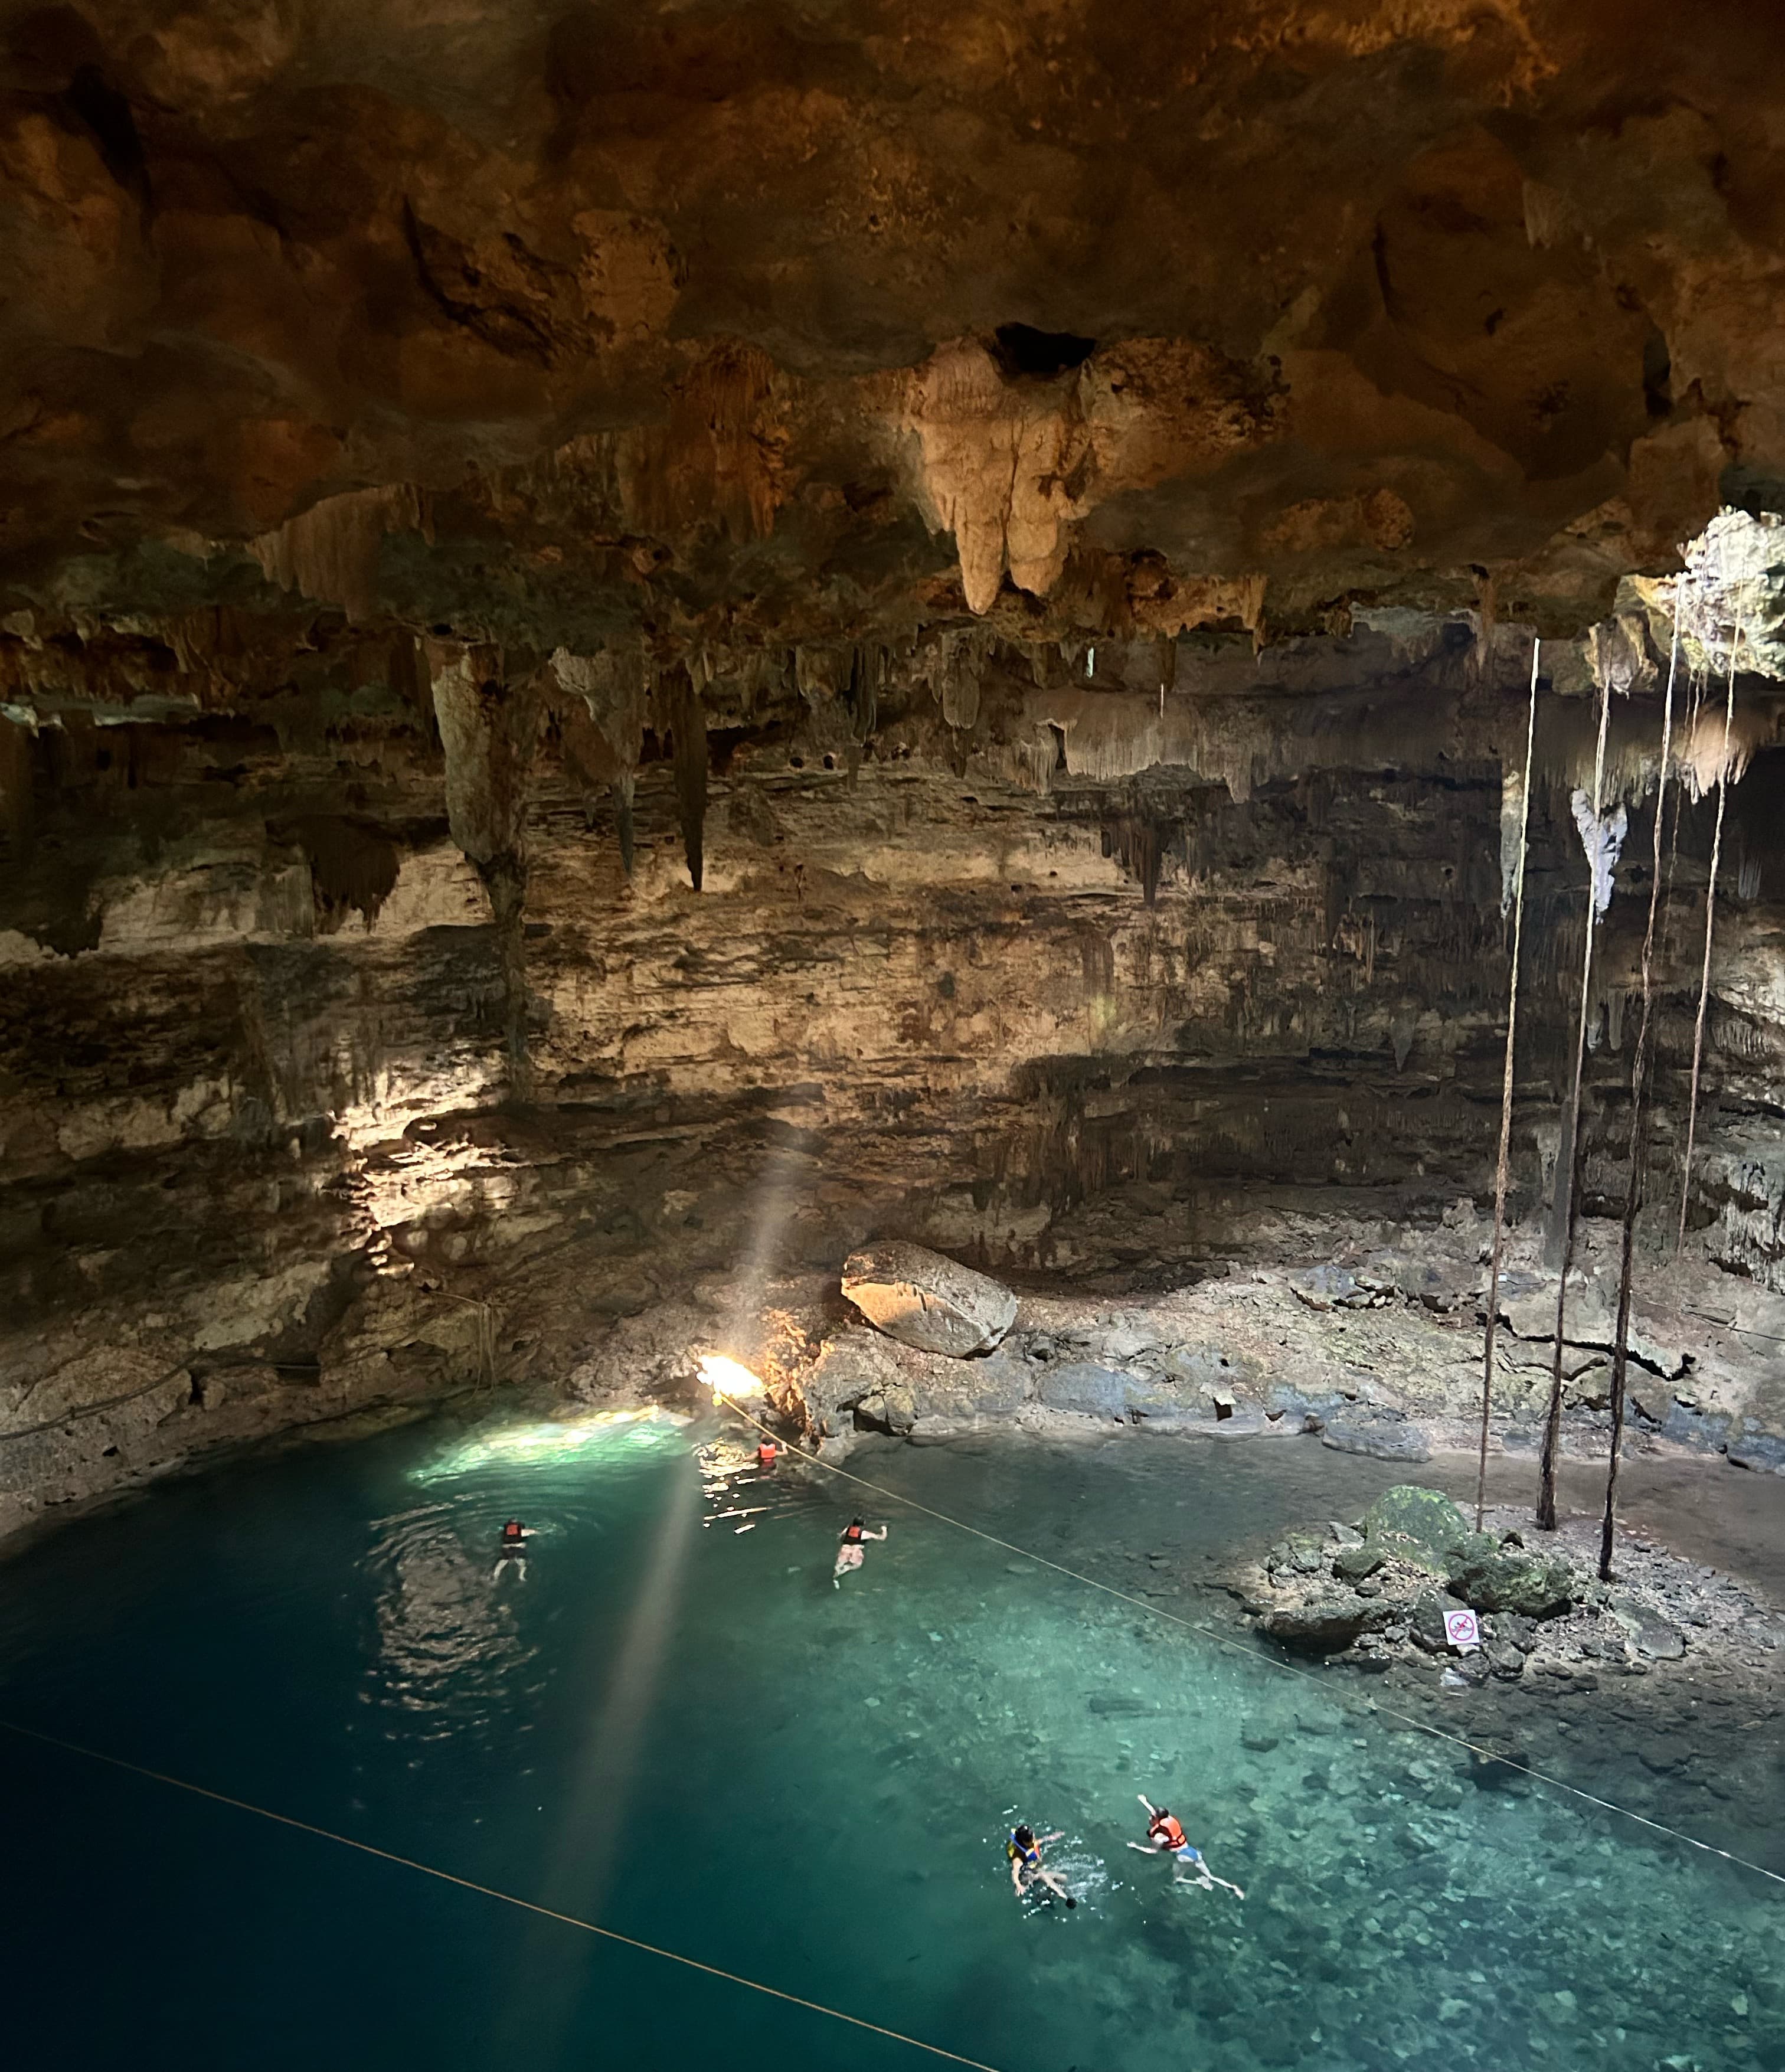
column 778, row 323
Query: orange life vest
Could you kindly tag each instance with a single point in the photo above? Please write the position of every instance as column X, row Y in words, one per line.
column 1166, row 1827
column 765, row 1453
column 852, row 1535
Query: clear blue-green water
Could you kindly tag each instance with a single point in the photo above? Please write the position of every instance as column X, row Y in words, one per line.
column 685, row 1732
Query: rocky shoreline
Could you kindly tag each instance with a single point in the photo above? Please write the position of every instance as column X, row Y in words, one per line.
column 1379, row 1593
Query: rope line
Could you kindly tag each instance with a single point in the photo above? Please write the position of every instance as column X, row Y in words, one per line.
column 487, row 1891
column 1257, row 1654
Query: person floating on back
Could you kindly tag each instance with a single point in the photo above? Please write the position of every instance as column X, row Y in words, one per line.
column 849, row 1549
column 1165, row 1834
column 514, row 1536
column 1023, row 1852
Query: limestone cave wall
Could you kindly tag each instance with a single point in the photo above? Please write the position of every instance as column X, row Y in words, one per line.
column 638, row 641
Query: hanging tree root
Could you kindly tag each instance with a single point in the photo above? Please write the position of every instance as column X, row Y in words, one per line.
column 1710, row 919
column 1568, row 1176
column 1639, row 1134
column 1506, row 1096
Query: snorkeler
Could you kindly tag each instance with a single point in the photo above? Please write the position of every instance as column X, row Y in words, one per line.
column 1023, row 1851
column 849, row 1549
column 514, row 1536
column 1165, row 1833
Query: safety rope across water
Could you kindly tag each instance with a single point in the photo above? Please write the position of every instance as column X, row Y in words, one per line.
column 1269, row 1661
column 488, row 1892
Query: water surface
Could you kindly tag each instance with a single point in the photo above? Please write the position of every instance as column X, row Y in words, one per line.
column 681, row 1729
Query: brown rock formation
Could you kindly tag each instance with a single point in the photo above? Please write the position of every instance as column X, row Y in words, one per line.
column 639, row 643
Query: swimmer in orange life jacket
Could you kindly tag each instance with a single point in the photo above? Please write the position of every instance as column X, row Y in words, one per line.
column 768, row 1452
column 514, row 1536
column 849, row 1549
column 1165, row 1832
column 1023, row 1851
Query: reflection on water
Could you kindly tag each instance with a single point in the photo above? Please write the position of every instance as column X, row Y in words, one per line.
column 448, row 1646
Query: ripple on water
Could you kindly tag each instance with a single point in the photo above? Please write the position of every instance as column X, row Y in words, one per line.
column 450, row 1649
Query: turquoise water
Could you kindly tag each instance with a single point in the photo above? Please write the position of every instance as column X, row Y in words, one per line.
column 683, row 1730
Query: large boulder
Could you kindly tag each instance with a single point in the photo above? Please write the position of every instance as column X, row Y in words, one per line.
column 860, row 1377
column 1323, row 1622
column 926, row 1301
column 1419, row 1526
column 1491, row 1577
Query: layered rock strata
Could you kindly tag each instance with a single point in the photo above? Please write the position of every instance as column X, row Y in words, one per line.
column 639, row 646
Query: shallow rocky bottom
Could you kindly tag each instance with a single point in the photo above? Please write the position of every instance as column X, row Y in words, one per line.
column 677, row 1726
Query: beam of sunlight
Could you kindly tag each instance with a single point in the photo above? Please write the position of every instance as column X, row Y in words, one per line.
column 587, row 1826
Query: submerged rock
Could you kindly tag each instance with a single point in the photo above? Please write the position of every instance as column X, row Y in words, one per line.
column 927, row 1300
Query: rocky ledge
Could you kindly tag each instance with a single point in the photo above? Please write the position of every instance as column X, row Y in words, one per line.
column 1383, row 1593
column 1376, row 1347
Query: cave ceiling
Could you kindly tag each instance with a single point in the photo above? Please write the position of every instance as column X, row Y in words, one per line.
column 719, row 327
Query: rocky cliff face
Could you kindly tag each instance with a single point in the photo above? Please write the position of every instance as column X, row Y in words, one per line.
column 639, row 644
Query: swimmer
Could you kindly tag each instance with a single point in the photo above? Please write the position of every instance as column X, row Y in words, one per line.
column 849, row 1549
column 514, row 1536
column 1023, row 1850
column 767, row 1453
column 1165, row 1832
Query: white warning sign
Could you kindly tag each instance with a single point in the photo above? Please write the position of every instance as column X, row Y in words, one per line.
column 1462, row 1630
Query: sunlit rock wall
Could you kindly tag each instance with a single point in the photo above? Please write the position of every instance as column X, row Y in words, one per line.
column 346, row 1060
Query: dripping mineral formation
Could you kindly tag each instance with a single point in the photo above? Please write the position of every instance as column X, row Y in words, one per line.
column 644, row 648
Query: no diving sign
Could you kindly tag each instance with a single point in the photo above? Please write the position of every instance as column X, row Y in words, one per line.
column 1462, row 1630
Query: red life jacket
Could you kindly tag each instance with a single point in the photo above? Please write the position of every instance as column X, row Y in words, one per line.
column 513, row 1533
column 852, row 1535
column 765, row 1453
column 1167, row 1828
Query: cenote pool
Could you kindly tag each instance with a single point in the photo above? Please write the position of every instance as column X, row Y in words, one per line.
column 681, row 1730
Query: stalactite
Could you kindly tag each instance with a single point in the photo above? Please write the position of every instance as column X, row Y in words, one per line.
column 488, row 729
column 601, row 720
column 1568, row 1191
column 330, row 552
column 1639, row 1136
column 1505, row 1088
column 623, row 819
column 687, row 731
column 1710, row 921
